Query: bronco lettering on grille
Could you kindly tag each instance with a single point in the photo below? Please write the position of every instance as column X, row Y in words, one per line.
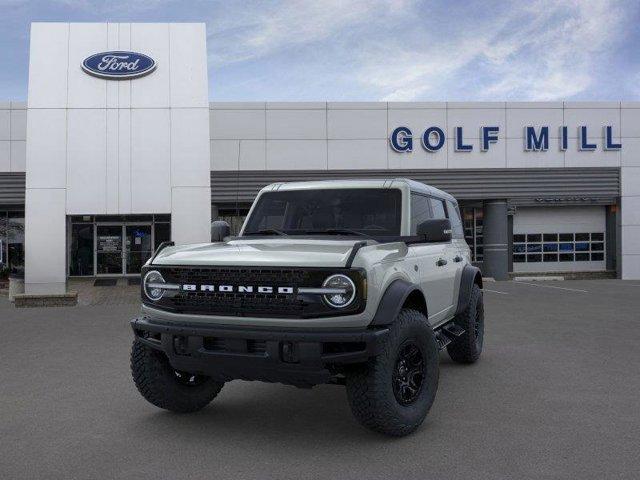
column 191, row 287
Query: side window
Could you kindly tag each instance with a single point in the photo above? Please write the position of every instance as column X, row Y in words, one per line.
column 456, row 221
column 420, row 211
column 437, row 206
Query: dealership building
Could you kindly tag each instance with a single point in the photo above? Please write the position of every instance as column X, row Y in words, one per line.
column 118, row 148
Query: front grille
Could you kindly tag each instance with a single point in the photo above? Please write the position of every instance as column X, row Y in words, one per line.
column 249, row 304
column 234, row 303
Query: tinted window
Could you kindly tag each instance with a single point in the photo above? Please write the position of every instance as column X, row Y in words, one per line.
column 456, row 221
column 372, row 211
column 420, row 211
column 437, row 206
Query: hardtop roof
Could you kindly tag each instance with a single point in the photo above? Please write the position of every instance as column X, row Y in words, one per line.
column 413, row 185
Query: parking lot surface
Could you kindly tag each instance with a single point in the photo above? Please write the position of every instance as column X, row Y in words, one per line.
column 556, row 394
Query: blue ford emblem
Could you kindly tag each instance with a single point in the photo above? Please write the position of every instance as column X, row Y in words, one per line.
column 118, row 65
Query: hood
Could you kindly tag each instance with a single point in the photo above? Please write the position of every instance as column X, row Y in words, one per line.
column 276, row 252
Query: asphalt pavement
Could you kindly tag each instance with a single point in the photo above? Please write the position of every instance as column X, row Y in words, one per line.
column 556, row 395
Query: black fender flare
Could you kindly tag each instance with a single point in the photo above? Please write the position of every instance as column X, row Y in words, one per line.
column 470, row 275
column 392, row 301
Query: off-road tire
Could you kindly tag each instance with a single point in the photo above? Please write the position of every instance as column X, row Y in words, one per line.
column 370, row 388
column 467, row 347
column 159, row 384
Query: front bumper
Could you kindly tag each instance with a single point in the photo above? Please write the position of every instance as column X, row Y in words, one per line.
column 302, row 358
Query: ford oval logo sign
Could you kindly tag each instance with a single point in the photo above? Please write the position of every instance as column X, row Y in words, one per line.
column 118, row 65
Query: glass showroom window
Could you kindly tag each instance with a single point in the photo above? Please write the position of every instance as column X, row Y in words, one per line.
column 12, row 235
column 472, row 222
column 558, row 247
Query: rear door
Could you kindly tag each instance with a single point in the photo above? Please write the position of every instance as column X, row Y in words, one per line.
column 426, row 257
column 448, row 263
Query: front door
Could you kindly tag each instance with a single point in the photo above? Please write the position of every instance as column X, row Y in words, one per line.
column 138, row 247
column 109, row 250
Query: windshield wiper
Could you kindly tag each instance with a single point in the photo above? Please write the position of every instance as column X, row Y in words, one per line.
column 338, row 231
column 268, row 231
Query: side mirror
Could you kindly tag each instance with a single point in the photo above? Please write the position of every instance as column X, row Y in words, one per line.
column 219, row 230
column 435, row 230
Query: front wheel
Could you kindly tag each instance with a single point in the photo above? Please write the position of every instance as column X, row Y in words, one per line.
column 163, row 386
column 393, row 392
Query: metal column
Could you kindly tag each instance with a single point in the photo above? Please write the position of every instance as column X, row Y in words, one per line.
column 496, row 240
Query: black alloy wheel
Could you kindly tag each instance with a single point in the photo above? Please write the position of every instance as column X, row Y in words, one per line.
column 409, row 373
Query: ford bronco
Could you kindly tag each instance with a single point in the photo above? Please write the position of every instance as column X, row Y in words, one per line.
column 358, row 283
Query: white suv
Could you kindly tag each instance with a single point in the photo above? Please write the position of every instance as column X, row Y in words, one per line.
column 358, row 283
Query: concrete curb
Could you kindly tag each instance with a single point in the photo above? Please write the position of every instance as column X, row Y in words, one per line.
column 69, row 299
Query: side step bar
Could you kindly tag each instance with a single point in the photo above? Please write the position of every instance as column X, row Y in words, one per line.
column 447, row 333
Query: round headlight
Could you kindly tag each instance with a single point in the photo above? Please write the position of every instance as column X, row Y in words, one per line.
column 151, row 289
column 345, row 291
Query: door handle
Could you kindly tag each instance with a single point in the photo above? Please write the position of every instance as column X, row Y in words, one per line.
column 441, row 262
column 457, row 258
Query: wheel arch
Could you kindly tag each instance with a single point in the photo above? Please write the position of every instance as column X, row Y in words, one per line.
column 399, row 294
column 470, row 276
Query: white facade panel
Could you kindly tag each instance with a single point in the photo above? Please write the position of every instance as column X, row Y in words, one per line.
column 598, row 158
column 594, row 119
column 630, row 211
column 113, row 43
column 517, row 157
column 18, row 156
column 417, row 120
column 150, row 160
column 85, row 91
column 296, row 154
column 188, row 55
column 494, row 157
column 190, row 164
column 48, row 65
column 124, row 161
column 152, row 91
column 630, row 182
column 5, row 124
column 418, row 158
column 253, row 155
column 225, row 154
column 86, row 161
column 519, row 118
column 191, row 215
column 238, row 124
column 471, row 119
column 18, row 124
column 124, row 86
column 112, row 162
column 357, row 154
column 45, row 241
column 296, row 124
column 630, row 154
column 630, row 122
column 356, row 124
column 630, row 268
column 631, row 239
column 47, row 148
column 5, row 156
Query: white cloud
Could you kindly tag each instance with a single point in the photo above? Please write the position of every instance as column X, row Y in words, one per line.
column 248, row 33
column 546, row 51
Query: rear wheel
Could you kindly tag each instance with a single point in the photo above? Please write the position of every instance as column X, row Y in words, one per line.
column 467, row 347
column 393, row 392
column 168, row 388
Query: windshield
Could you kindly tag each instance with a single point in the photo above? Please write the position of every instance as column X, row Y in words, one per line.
column 362, row 211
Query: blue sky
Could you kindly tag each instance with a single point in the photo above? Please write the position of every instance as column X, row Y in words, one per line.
column 363, row 50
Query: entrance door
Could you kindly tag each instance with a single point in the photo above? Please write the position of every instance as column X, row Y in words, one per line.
column 109, row 250
column 138, row 247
